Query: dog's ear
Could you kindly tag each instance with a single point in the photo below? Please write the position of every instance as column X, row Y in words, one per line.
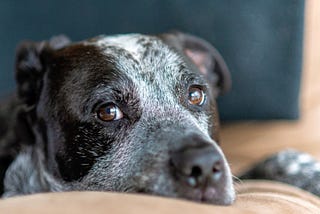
column 206, row 58
column 30, row 68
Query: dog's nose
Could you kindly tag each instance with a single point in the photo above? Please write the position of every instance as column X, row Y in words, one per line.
column 198, row 166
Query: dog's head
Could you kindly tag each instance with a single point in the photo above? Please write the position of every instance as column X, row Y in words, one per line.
column 129, row 113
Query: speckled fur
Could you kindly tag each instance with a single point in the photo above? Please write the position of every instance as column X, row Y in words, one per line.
column 289, row 166
column 127, row 156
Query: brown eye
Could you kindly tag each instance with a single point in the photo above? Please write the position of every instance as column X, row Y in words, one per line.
column 109, row 112
column 196, row 96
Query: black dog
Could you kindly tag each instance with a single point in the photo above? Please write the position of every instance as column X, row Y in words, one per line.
column 129, row 113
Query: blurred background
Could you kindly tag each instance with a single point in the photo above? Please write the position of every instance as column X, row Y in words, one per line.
column 261, row 41
column 248, row 142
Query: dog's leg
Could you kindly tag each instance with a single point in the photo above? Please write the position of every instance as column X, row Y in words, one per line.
column 289, row 166
column 9, row 144
column 27, row 174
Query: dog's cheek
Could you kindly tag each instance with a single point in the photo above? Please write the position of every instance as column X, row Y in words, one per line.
column 214, row 122
column 132, row 165
column 84, row 144
column 150, row 167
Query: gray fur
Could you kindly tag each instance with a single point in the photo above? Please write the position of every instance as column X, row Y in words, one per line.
column 289, row 166
column 137, row 160
column 27, row 175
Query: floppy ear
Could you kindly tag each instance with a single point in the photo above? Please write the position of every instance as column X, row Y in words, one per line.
column 204, row 56
column 30, row 67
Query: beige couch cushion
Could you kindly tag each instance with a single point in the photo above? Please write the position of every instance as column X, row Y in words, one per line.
column 253, row 197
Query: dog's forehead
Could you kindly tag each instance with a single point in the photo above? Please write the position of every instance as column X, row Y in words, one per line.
column 135, row 44
column 149, row 53
column 146, row 60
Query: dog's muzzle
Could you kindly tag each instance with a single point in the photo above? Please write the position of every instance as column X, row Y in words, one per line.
column 199, row 166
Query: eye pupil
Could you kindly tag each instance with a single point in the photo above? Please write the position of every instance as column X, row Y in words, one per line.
column 196, row 96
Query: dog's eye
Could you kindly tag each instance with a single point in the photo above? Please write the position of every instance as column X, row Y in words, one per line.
column 196, row 96
column 109, row 112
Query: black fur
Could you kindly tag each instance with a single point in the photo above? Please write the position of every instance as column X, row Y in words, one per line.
column 53, row 128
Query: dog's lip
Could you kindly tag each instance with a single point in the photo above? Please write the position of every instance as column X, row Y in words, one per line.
column 210, row 195
column 206, row 195
column 203, row 195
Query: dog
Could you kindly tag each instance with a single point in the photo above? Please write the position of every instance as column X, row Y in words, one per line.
column 127, row 113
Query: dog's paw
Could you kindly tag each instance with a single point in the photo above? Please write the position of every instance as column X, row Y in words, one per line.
column 289, row 166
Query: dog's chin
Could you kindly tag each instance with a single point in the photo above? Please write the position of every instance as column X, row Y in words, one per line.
column 208, row 195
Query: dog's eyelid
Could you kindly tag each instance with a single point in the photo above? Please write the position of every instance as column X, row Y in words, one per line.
column 196, row 80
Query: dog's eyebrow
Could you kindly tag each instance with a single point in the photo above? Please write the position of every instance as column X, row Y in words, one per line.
column 112, row 91
column 190, row 77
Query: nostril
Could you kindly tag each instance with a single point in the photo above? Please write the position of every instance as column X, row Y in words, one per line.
column 217, row 171
column 216, row 168
column 195, row 176
column 197, row 167
column 196, row 172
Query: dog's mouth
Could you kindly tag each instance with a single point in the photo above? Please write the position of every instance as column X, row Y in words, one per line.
column 203, row 195
column 175, row 185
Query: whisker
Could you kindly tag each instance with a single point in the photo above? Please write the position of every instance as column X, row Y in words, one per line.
column 236, row 179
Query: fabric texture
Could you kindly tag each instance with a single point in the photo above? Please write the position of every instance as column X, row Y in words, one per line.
column 261, row 41
column 253, row 197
